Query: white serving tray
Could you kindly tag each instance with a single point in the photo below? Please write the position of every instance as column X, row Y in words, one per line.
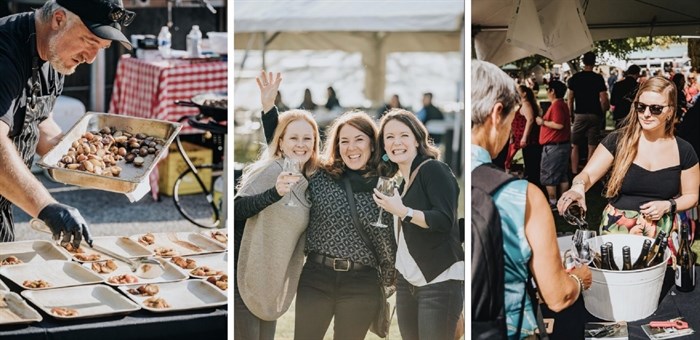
column 217, row 262
column 170, row 273
column 33, row 251
column 121, row 245
column 14, row 310
column 57, row 273
column 88, row 301
column 183, row 243
column 182, row 295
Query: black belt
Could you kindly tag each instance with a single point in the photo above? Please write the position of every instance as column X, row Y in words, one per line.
column 559, row 143
column 337, row 264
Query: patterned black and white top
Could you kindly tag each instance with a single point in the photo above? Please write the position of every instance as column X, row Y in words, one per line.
column 331, row 231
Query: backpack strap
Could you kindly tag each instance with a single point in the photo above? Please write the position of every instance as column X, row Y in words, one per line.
column 490, row 178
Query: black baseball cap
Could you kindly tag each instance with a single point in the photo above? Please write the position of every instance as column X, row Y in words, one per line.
column 104, row 18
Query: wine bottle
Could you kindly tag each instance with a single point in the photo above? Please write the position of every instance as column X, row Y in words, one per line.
column 611, row 257
column 641, row 260
column 655, row 246
column 685, row 272
column 626, row 258
column 604, row 263
column 660, row 254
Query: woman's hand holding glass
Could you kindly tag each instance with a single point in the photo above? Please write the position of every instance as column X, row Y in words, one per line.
column 291, row 173
column 570, row 197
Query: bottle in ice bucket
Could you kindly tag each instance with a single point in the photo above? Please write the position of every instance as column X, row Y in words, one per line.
column 685, row 272
column 164, row 42
column 604, row 262
column 626, row 258
column 194, row 42
column 655, row 246
column 611, row 257
column 575, row 215
column 641, row 259
column 660, row 254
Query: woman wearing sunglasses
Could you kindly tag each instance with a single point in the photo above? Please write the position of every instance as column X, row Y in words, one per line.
column 653, row 174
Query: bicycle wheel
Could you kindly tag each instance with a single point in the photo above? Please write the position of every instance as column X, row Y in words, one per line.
column 200, row 209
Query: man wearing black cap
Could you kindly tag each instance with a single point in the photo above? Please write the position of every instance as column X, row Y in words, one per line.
column 37, row 49
column 623, row 94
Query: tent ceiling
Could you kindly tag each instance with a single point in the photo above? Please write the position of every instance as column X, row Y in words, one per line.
column 606, row 20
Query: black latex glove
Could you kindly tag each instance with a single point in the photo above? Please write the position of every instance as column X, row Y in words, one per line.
column 66, row 220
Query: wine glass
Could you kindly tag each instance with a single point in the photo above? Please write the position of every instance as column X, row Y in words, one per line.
column 293, row 166
column 385, row 185
column 581, row 250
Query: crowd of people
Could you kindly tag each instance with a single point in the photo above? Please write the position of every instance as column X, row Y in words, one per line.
column 327, row 250
column 647, row 146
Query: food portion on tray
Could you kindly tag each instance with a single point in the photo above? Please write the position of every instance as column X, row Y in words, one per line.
column 202, row 266
column 14, row 310
column 81, row 302
column 220, row 281
column 121, row 245
column 178, row 244
column 117, row 273
column 14, row 253
column 176, row 296
column 109, row 152
column 51, row 274
column 218, row 236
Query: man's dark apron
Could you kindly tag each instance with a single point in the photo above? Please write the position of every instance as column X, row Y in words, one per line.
column 25, row 137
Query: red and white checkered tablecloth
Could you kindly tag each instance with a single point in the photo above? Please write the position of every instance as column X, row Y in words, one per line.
column 149, row 89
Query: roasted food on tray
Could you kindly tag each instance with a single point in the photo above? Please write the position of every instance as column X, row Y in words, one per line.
column 86, row 257
column 105, row 267
column 219, row 236
column 162, row 251
column 147, row 289
column 154, row 302
column 99, row 152
column 184, row 262
column 36, row 284
column 221, row 281
column 147, row 239
column 205, row 271
column 64, row 311
column 123, row 279
column 72, row 250
column 11, row 260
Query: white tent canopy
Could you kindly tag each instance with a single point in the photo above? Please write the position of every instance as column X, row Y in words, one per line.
column 373, row 28
column 604, row 19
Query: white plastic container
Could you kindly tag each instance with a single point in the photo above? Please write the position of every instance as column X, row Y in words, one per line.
column 164, row 42
column 624, row 295
column 194, row 42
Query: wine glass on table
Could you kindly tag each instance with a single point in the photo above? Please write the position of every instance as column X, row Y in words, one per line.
column 385, row 185
column 294, row 167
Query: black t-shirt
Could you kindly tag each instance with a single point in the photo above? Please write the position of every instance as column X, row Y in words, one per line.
column 587, row 86
column 640, row 185
column 16, row 54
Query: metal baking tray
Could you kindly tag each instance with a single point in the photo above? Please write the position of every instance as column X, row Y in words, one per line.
column 33, row 251
column 182, row 295
column 88, row 301
column 14, row 310
column 130, row 176
column 218, row 262
column 183, row 243
column 170, row 273
column 56, row 273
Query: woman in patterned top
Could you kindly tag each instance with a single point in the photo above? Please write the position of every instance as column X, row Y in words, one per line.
column 339, row 280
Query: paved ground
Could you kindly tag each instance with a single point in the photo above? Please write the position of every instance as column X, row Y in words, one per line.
column 111, row 214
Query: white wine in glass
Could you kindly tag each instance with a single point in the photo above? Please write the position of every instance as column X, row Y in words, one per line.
column 293, row 166
column 385, row 185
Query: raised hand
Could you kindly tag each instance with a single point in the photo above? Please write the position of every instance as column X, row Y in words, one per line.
column 268, row 86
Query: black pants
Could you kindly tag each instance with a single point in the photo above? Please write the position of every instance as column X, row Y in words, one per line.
column 430, row 312
column 532, row 155
column 352, row 297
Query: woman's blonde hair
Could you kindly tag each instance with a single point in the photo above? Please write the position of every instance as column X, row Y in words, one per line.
column 273, row 152
column 332, row 162
column 628, row 140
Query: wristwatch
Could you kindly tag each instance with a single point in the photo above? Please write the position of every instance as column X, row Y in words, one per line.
column 408, row 217
column 673, row 206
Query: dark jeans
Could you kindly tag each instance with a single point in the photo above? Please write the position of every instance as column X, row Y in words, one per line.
column 430, row 312
column 352, row 297
column 247, row 326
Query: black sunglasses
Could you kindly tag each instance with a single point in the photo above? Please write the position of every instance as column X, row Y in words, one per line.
column 654, row 109
column 120, row 15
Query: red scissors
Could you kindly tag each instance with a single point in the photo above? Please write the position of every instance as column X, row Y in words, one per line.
column 677, row 324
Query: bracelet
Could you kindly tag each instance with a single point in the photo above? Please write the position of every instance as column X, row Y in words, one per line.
column 578, row 181
column 580, row 283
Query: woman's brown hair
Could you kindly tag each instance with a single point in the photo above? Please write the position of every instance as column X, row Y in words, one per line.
column 332, row 162
column 425, row 145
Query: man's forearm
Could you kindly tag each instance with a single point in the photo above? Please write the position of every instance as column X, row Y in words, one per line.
column 17, row 183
